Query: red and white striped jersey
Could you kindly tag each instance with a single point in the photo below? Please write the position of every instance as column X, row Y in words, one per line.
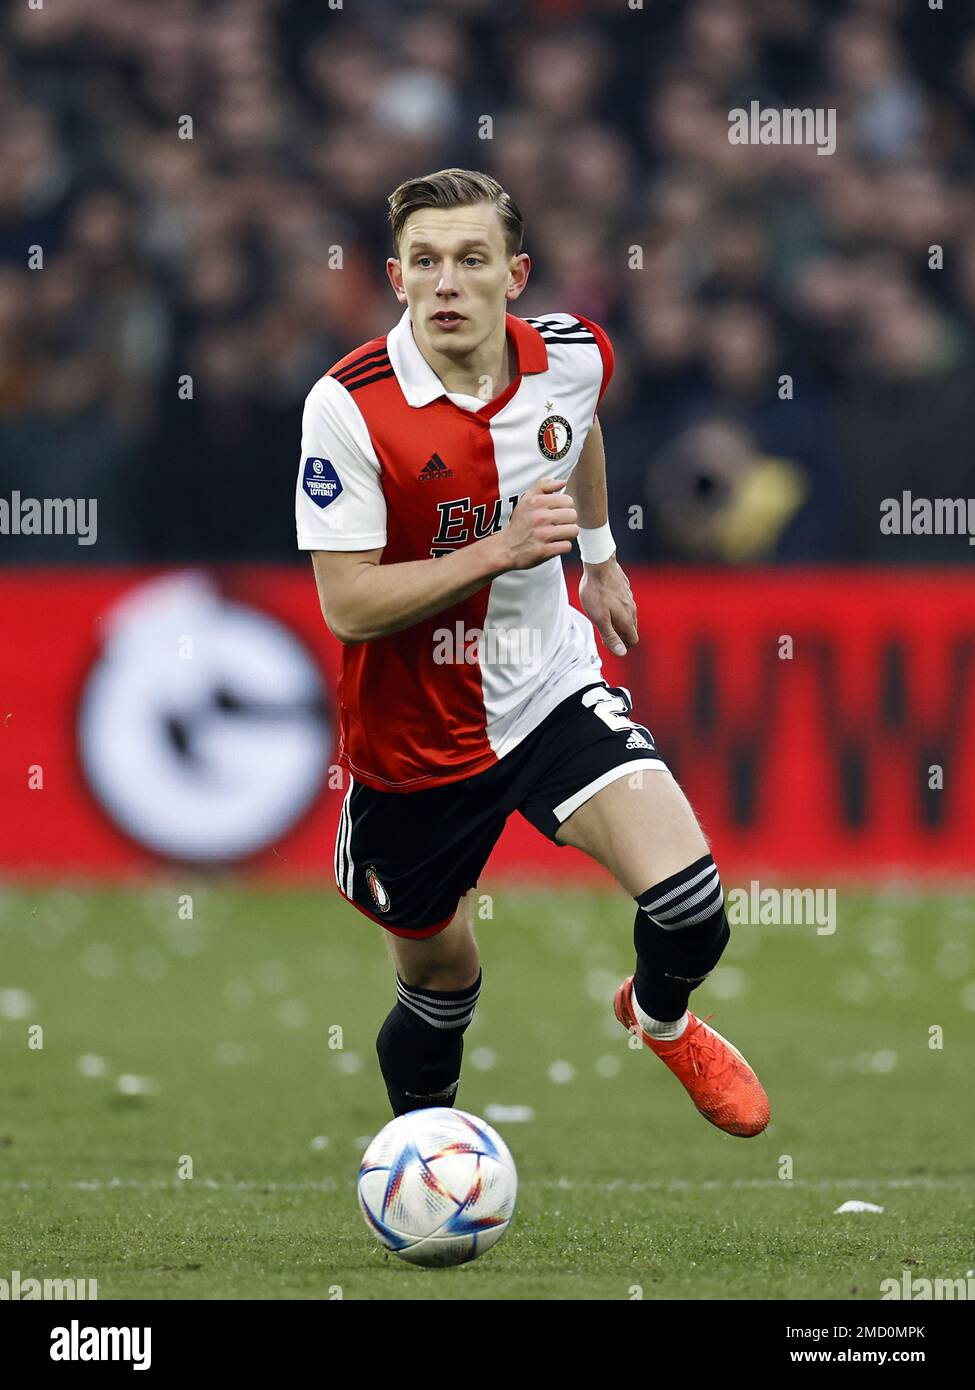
column 390, row 459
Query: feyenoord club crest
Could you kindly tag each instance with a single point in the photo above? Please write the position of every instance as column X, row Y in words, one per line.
column 555, row 437
column 379, row 895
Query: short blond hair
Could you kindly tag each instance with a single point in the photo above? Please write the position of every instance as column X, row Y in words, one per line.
column 455, row 188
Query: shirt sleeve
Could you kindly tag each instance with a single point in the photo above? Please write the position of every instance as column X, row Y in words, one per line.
column 606, row 354
column 339, row 500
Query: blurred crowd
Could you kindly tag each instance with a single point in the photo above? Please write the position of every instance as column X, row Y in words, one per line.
column 790, row 348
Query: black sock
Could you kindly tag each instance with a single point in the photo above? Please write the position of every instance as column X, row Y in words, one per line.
column 421, row 1044
column 680, row 932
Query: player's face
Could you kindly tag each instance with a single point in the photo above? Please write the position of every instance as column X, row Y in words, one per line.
column 456, row 275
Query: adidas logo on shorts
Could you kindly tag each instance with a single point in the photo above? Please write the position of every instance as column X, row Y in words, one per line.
column 636, row 740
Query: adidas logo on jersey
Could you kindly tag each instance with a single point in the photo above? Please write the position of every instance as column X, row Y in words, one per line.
column 636, row 740
column 434, row 468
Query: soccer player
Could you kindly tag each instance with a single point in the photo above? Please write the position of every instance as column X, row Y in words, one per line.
column 446, row 468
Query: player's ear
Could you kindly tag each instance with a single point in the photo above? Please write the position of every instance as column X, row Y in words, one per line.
column 395, row 272
column 518, row 272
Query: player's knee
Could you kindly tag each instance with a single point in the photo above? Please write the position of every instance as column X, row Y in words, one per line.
column 448, row 961
column 452, row 977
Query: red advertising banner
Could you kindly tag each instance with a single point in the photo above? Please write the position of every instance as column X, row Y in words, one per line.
column 818, row 720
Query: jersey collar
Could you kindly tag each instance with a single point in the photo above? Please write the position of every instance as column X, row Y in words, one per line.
column 420, row 383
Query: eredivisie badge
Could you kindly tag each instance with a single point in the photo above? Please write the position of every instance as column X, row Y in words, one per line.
column 320, row 481
column 379, row 895
column 555, row 437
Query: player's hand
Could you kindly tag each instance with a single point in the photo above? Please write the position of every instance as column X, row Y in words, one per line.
column 542, row 525
column 607, row 600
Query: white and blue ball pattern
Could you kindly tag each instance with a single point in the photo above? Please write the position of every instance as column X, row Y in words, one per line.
column 438, row 1186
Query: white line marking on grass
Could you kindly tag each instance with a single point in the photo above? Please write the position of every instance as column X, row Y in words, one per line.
column 552, row 1184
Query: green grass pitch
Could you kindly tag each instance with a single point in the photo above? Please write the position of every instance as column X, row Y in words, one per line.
column 214, row 1039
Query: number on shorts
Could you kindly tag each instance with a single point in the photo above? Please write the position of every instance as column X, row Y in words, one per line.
column 610, row 708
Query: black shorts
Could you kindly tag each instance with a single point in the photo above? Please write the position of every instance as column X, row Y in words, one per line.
column 406, row 859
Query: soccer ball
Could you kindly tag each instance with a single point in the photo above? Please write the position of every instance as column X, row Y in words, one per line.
column 437, row 1186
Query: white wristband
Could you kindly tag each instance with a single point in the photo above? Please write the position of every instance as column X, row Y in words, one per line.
column 596, row 545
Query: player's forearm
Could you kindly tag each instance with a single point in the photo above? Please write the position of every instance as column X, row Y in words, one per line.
column 388, row 598
column 587, row 486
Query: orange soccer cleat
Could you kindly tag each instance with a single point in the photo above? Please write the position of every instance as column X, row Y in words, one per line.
column 715, row 1075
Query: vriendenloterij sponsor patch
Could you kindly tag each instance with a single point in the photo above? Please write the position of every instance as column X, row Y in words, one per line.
column 321, row 482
